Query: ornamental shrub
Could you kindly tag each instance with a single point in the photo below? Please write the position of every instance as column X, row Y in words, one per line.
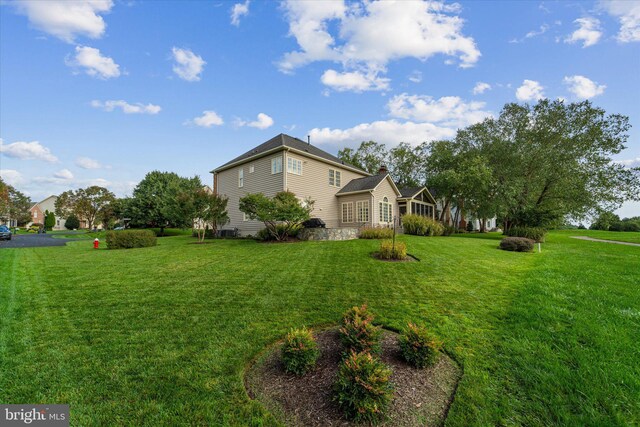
column 299, row 351
column 72, row 222
column 290, row 231
column 419, row 347
column 127, row 239
column 517, row 244
column 362, row 389
column 357, row 332
column 388, row 251
column 533, row 233
column 421, row 226
column 376, row 233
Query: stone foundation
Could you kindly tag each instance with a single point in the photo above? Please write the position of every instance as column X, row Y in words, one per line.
column 328, row 234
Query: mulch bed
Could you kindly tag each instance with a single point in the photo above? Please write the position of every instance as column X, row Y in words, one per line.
column 421, row 396
column 408, row 258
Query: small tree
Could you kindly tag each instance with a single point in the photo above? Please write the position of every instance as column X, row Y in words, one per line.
column 49, row 220
column 283, row 209
column 204, row 209
column 72, row 222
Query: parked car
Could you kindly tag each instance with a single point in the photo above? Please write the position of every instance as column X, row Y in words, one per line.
column 5, row 233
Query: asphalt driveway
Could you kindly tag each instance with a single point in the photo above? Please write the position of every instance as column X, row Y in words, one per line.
column 33, row 241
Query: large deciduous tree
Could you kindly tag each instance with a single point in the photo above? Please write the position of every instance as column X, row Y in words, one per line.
column 553, row 160
column 85, row 203
column 404, row 165
column 13, row 204
column 155, row 200
column 369, row 156
column 280, row 214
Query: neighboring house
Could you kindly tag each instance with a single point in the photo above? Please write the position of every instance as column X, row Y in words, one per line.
column 38, row 213
column 343, row 195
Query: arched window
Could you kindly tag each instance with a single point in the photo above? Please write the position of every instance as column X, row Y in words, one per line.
column 385, row 210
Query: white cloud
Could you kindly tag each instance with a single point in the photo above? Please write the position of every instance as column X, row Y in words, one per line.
column 535, row 33
column 481, row 87
column 354, row 81
column 450, row 111
column 369, row 35
column 630, row 163
column 137, row 108
column 207, row 119
column 628, row 13
column 66, row 19
column 262, row 122
column 64, row 174
column 588, row 32
column 584, row 88
column 188, row 65
column 28, row 151
column 387, row 132
column 87, row 163
column 415, row 76
column 530, row 90
column 239, row 10
column 94, row 63
column 11, row 177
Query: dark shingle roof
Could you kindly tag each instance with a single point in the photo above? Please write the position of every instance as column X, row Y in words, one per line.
column 409, row 191
column 283, row 140
column 362, row 184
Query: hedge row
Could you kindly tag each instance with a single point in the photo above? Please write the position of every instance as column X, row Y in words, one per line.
column 128, row 239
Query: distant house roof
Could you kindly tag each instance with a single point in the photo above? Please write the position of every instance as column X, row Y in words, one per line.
column 286, row 141
column 367, row 183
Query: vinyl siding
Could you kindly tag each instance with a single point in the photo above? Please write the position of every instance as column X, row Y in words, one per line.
column 353, row 198
column 314, row 183
column 260, row 181
column 383, row 190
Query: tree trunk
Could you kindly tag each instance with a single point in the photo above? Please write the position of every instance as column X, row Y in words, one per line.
column 162, row 231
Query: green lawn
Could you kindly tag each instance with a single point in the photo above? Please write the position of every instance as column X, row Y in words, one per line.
column 621, row 236
column 162, row 335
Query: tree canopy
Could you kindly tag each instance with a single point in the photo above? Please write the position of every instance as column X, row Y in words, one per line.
column 280, row 213
column 532, row 165
column 155, row 202
column 85, row 203
column 14, row 204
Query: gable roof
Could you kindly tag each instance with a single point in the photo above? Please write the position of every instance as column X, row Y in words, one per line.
column 412, row 192
column 283, row 141
column 409, row 192
column 368, row 183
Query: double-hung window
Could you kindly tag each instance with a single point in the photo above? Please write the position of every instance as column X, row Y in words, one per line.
column 276, row 165
column 294, row 166
column 241, row 178
column 335, row 178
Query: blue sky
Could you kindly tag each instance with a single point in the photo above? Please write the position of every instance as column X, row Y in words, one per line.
column 102, row 92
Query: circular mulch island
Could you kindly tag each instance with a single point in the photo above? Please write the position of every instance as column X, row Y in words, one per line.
column 421, row 396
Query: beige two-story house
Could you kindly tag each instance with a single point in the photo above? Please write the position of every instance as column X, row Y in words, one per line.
column 343, row 195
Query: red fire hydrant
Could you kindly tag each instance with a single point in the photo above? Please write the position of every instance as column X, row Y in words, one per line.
column 96, row 243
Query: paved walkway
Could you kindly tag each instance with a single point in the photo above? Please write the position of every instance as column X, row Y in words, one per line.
column 591, row 239
column 34, row 241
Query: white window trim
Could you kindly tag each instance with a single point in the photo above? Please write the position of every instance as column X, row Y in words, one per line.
column 294, row 166
column 385, row 208
column 337, row 178
column 362, row 206
column 349, row 206
column 275, row 162
column 241, row 178
column 252, row 168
